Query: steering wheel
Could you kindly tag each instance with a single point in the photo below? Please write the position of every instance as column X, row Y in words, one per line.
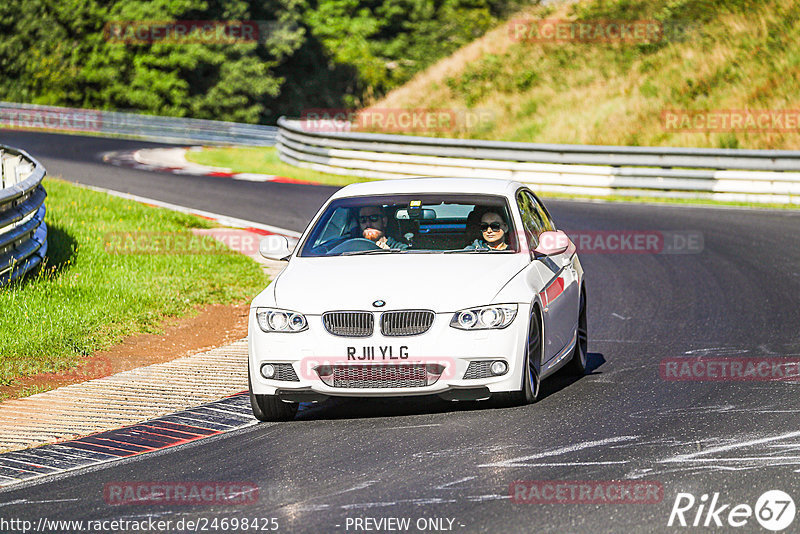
column 357, row 244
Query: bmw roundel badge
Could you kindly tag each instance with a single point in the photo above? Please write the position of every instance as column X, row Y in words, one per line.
column 379, row 303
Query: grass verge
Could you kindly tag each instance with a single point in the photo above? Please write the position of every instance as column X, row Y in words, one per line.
column 86, row 299
column 264, row 160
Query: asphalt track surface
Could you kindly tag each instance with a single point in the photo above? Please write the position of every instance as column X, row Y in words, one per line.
column 424, row 458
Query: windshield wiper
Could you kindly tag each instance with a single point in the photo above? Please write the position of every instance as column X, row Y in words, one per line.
column 474, row 250
column 375, row 251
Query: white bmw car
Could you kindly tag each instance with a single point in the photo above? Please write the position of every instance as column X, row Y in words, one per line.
column 462, row 288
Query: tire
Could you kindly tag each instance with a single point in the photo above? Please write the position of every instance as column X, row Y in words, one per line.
column 270, row 407
column 577, row 364
column 529, row 390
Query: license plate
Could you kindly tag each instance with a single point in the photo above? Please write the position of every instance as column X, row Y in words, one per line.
column 377, row 353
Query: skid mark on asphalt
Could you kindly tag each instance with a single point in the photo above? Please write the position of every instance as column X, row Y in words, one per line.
column 455, row 482
column 412, row 426
column 712, row 454
column 744, row 453
column 473, row 488
column 466, row 485
column 182, row 427
column 450, row 453
column 524, row 461
column 717, row 409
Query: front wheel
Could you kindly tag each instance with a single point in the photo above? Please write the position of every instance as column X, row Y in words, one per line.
column 529, row 390
column 270, row 407
column 577, row 364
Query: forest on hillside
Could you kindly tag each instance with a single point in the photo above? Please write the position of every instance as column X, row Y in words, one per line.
column 308, row 53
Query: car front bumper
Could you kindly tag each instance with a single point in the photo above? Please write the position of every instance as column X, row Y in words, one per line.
column 442, row 345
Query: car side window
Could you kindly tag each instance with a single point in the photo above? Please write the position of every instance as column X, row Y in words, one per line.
column 337, row 226
column 544, row 216
column 531, row 222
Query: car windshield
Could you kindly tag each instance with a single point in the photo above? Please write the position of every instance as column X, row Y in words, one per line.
column 416, row 223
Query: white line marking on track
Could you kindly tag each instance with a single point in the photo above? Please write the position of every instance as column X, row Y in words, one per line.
column 312, row 507
column 430, row 500
column 622, row 340
column 520, row 460
column 367, row 505
column 453, row 483
column 412, row 426
column 483, row 498
column 722, row 448
column 26, row 501
column 572, row 464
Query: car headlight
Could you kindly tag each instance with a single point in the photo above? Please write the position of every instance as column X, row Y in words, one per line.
column 274, row 320
column 484, row 317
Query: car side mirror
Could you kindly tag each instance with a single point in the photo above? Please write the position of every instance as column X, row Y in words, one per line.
column 274, row 247
column 552, row 243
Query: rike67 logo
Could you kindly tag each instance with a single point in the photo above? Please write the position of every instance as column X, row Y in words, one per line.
column 774, row 510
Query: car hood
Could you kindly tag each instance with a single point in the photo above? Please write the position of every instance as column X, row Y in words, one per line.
column 438, row 282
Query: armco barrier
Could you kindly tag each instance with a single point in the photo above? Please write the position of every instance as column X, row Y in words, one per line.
column 23, row 233
column 718, row 174
column 152, row 127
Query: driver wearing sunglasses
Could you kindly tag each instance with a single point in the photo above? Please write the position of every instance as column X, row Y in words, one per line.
column 493, row 232
column 373, row 223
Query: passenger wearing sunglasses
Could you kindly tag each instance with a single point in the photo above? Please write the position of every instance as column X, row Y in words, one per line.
column 373, row 224
column 493, row 230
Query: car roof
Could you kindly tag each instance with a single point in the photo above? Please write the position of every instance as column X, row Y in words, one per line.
column 486, row 186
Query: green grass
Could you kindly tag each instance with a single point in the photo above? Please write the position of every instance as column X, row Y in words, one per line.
column 264, row 161
column 86, row 299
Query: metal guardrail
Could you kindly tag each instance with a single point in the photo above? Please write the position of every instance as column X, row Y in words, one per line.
column 151, row 127
column 718, row 174
column 23, row 233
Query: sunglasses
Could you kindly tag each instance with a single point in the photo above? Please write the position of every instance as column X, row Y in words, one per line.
column 494, row 226
column 369, row 218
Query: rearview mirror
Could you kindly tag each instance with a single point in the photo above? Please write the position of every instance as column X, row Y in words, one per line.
column 552, row 243
column 425, row 214
column 274, row 247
